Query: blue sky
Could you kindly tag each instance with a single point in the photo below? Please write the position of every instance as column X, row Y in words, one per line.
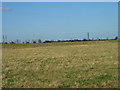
column 60, row 20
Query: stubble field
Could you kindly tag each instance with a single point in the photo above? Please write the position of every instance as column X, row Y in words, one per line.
column 88, row 64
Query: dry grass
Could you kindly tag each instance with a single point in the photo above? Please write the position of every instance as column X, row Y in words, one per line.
column 89, row 64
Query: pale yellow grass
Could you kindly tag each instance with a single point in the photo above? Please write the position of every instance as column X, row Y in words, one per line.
column 89, row 65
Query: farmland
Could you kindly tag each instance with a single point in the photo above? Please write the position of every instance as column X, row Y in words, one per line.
column 85, row 64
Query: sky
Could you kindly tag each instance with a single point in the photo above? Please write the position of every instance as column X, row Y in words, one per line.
column 59, row 20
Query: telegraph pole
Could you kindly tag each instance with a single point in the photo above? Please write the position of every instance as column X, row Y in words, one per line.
column 88, row 35
column 3, row 39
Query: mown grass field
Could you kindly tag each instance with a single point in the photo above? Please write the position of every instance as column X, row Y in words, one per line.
column 88, row 64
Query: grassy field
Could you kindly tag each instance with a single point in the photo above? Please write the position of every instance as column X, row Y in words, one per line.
column 88, row 64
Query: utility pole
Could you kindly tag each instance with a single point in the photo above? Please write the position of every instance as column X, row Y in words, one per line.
column 3, row 39
column 88, row 35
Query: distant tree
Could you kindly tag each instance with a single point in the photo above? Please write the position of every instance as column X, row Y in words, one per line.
column 27, row 41
column 76, row 40
column 84, row 40
column 47, row 41
column 34, row 41
column 12, row 42
column 116, row 38
column 58, row 41
column 6, row 42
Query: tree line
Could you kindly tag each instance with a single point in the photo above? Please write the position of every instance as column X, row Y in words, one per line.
column 50, row 41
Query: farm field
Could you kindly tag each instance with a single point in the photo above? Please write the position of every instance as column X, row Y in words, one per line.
column 85, row 64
